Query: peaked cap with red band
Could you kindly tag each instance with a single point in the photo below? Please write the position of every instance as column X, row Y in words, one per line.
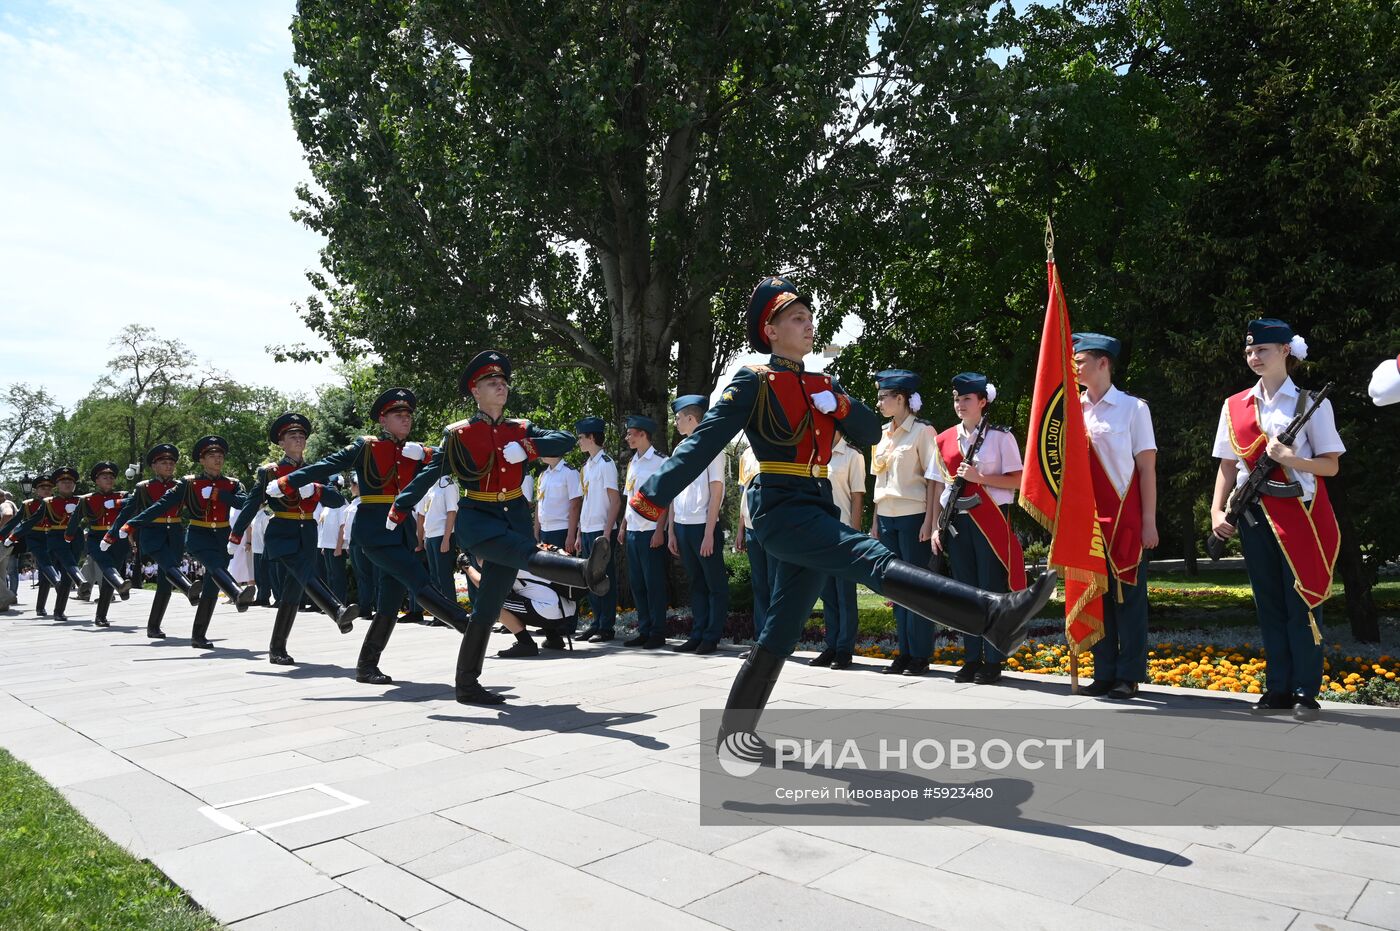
column 771, row 295
column 484, row 364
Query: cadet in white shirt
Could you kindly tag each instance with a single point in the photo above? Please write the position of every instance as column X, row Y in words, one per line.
column 698, row 541
column 1123, row 461
column 559, row 504
column 327, row 539
column 598, row 512
column 1292, row 544
column 839, row 611
column 265, row 571
column 762, row 570
column 437, row 517
column 645, row 540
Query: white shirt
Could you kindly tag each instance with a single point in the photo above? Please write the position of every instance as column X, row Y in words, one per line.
column 847, row 473
column 347, row 518
column 692, row 506
column 527, row 485
column 1318, row 437
column 638, row 471
column 1119, row 427
column 748, row 468
column 598, row 476
column 328, row 534
column 259, row 530
column 559, row 486
column 440, row 501
column 999, row 455
column 546, row 601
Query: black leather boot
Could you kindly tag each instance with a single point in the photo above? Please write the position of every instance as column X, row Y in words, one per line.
column 60, row 599
column 1001, row 619
column 470, row 658
column 119, row 585
column 281, row 630
column 190, row 590
column 243, row 597
column 590, row 573
column 158, row 604
column 104, row 601
column 376, row 639
column 322, row 597
column 443, row 608
column 748, row 696
column 40, row 609
column 203, row 614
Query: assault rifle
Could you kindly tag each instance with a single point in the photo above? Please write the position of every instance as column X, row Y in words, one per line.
column 956, row 504
column 1258, row 484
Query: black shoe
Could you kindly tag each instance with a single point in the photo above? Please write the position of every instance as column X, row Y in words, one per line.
column 916, row 667
column 655, row 642
column 412, row 617
column 1307, row 709
column 603, row 637
column 200, row 643
column 554, row 641
column 345, row 620
column 637, row 641
column 372, row 676
column 842, row 661
column 968, row 672
column 1273, row 701
column 263, row 603
column 102, row 622
column 898, row 665
column 156, row 634
column 85, row 591
column 280, row 659
column 706, row 647
column 522, row 647
column 194, row 591
column 1098, row 688
column 60, row 617
column 987, row 675
column 246, row 597
column 823, row 658
column 1123, row 691
column 124, row 591
column 471, row 693
column 500, row 629
column 587, row 635
column 688, row 647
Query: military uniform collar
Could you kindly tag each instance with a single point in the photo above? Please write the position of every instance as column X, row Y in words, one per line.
column 288, row 460
column 651, row 451
column 1285, row 390
column 781, row 362
column 964, row 433
column 1111, row 397
column 486, row 418
column 906, row 424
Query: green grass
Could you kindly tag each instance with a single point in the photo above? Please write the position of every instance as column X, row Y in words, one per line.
column 59, row 872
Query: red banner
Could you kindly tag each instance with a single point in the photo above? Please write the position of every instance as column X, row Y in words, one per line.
column 1057, row 488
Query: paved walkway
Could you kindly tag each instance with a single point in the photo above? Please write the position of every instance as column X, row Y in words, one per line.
column 296, row 798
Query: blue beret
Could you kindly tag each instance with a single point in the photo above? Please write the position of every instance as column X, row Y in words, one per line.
column 970, row 383
column 63, row 472
column 690, row 400
column 484, row 364
column 1268, row 330
column 162, row 451
column 641, row 422
column 591, row 425
column 1085, row 342
column 392, row 400
column 771, row 295
column 206, row 443
column 897, row 380
column 284, row 423
column 100, row 467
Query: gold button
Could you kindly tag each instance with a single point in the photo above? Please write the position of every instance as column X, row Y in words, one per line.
column 816, row 471
column 500, row 496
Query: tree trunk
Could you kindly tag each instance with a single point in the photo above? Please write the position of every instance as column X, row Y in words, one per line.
column 1357, row 574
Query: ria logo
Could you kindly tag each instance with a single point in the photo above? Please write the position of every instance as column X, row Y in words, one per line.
column 740, row 753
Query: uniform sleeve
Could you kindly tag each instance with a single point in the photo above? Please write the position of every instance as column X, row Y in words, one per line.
column 720, row 425
column 453, row 494
column 238, row 498
column 855, row 480
column 76, row 520
column 860, row 425
column 342, row 460
column 1322, row 431
column 170, row 499
column 1010, row 452
column 1222, row 448
column 254, row 501
column 610, row 475
column 21, row 524
column 937, row 470
column 541, row 442
column 1143, row 436
column 715, row 471
column 424, row 481
column 129, row 506
column 575, row 485
column 1385, row 383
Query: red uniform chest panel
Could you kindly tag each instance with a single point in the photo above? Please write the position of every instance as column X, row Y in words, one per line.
column 294, row 502
column 794, row 393
column 98, row 510
column 155, row 490
column 214, row 508
column 396, row 469
column 58, row 511
column 483, row 442
column 34, row 506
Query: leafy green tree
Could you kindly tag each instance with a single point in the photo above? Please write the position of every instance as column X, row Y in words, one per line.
column 29, row 412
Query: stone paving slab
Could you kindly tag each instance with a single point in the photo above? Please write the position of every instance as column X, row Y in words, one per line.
column 575, row 806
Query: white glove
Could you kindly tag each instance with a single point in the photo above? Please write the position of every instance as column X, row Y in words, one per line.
column 7, row 543
column 307, row 490
column 273, row 490
column 232, row 547
column 104, row 546
column 206, row 491
column 824, row 401
column 513, row 452
column 121, row 534
column 389, row 522
column 110, row 503
column 70, row 507
column 413, row 451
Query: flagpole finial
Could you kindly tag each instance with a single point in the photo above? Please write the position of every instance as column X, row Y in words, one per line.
column 1049, row 240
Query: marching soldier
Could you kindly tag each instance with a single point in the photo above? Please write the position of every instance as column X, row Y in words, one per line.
column 205, row 499
column 840, row 615
column 487, row 453
column 52, row 516
column 97, row 511
column 1124, row 468
column 1292, row 543
column 160, row 540
column 291, row 536
column 790, row 416
column 908, row 448
column 384, row 467
column 602, row 503
column 35, row 536
column 698, row 541
column 982, row 551
column 365, row 571
column 644, row 536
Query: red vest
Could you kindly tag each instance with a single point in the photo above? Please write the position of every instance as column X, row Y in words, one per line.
column 293, row 501
column 155, row 490
column 57, row 513
column 809, row 433
column 213, row 509
column 487, row 469
column 987, row 517
column 388, row 471
column 100, row 516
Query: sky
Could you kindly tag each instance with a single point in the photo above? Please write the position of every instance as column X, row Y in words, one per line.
column 147, row 171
